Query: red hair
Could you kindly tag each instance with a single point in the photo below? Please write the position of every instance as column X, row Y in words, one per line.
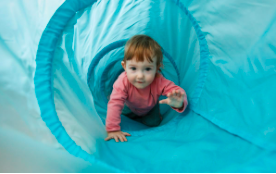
column 141, row 47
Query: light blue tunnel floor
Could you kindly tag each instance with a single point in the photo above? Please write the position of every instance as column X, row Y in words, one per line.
column 192, row 145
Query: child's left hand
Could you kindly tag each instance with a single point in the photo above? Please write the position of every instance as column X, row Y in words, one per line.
column 175, row 99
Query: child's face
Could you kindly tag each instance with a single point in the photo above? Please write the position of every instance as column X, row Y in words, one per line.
column 140, row 74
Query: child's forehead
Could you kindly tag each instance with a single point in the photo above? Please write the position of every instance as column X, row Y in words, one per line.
column 134, row 59
column 144, row 62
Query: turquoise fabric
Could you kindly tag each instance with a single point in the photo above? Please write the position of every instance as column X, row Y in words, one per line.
column 223, row 53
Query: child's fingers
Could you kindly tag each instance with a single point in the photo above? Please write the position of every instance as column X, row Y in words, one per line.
column 164, row 101
column 121, row 138
column 107, row 138
column 116, row 139
column 182, row 95
column 173, row 92
column 126, row 134
column 124, row 138
column 177, row 93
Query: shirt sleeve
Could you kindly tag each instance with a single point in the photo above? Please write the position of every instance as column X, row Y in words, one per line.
column 116, row 104
column 166, row 86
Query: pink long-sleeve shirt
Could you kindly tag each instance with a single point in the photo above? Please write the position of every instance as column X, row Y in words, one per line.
column 139, row 101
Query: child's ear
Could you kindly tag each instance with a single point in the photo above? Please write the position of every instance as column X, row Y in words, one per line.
column 123, row 65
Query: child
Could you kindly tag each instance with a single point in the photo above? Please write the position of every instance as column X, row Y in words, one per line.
column 139, row 87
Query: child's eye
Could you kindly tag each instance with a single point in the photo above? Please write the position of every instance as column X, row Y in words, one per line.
column 148, row 69
column 133, row 68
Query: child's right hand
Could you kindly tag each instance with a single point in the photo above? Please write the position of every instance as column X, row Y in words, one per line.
column 117, row 135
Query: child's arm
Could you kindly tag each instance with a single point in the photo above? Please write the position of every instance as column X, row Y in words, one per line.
column 177, row 97
column 114, row 110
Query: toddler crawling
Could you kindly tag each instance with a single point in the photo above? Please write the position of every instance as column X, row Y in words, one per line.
column 136, row 91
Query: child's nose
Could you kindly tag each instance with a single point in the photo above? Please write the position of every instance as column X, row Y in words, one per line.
column 140, row 74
